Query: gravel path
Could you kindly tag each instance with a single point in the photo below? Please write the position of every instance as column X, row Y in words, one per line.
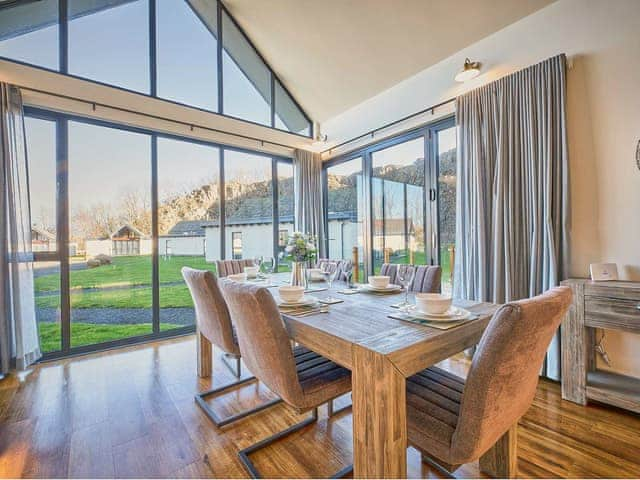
column 120, row 316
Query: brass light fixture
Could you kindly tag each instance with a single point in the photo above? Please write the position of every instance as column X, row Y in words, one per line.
column 469, row 71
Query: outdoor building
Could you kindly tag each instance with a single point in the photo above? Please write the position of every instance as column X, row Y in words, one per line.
column 126, row 240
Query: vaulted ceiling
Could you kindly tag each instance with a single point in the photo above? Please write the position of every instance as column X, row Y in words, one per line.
column 334, row 54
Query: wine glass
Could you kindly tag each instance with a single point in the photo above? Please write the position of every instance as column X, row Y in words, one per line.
column 329, row 271
column 405, row 278
column 267, row 266
column 347, row 270
column 257, row 262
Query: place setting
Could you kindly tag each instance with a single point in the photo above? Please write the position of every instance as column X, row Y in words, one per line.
column 378, row 285
column 433, row 310
column 293, row 300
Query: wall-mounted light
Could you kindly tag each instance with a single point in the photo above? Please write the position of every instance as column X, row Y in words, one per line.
column 469, row 71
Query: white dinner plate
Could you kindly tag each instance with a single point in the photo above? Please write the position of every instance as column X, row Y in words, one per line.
column 305, row 301
column 462, row 314
column 453, row 311
column 389, row 288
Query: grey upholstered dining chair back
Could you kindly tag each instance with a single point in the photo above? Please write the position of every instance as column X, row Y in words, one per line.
column 264, row 341
column 212, row 315
column 390, row 270
column 427, row 279
column 340, row 265
column 230, row 267
column 504, row 373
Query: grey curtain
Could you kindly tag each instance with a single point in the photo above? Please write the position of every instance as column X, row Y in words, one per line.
column 19, row 344
column 513, row 189
column 309, row 206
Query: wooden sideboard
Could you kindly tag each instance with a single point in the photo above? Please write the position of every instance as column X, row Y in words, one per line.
column 598, row 305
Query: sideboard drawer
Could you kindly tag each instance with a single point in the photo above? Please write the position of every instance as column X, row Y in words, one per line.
column 611, row 312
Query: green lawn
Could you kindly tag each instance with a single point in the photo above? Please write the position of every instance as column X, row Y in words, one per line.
column 89, row 333
column 134, row 270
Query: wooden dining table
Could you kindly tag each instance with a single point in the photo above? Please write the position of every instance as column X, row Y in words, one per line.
column 381, row 353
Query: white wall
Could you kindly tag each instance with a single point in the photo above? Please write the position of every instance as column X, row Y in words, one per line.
column 188, row 245
column 602, row 41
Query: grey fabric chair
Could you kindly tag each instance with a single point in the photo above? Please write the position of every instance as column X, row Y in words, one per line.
column 390, row 270
column 427, row 279
column 230, row 267
column 452, row 421
column 302, row 378
column 340, row 265
column 213, row 324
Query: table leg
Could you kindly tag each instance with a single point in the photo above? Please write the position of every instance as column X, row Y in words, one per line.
column 379, row 417
column 501, row 461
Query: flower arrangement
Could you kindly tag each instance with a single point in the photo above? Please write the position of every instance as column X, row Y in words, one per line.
column 300, row 248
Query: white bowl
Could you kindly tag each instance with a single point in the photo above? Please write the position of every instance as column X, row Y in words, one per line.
column 237, row 277
column 251, row 272
column 379, row 281
column 315, row 274
column 433, row 303
column 291, row 294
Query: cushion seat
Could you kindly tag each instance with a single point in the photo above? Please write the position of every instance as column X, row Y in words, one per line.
column 319, row 377
column 433, row 407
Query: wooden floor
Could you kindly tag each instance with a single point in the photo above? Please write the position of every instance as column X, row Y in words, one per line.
column 131, row 413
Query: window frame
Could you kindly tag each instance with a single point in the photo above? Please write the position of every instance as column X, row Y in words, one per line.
column 62, row 219
column 431, row 193
column 63, row 64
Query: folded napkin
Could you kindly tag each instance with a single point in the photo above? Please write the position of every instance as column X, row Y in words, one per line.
column 427, row 323
column 331, row 301
column 349, row 291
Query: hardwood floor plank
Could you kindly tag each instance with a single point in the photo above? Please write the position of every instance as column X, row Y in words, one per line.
column 130, row 413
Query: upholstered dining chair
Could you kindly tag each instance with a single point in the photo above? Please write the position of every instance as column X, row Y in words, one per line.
column 452, row 421
column 214, row 327
column 302, row 378
column 427, row 279
column 230, row 267
column 340, row 266
column 390, row 270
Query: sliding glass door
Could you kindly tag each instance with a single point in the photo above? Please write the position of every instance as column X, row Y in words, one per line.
column 345, row 211
column 404, row 189
column 445, row 156
column 397, row 187
column 117, row 212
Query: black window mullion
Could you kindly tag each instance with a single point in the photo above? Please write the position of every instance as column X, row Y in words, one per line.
column 219, row 59
column 153, row 58
column 63, row 36
column 62, row 214
column 155, row 265
column 276, row 209
column 222, row 221
column 273, row 100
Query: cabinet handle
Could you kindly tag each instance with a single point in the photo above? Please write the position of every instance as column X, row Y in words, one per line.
column 638, row 306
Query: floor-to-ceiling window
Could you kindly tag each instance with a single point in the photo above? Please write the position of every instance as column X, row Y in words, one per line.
column 189, row 52
column 41, row 154
column 109, row 233
column 345, row 211
column 406, row 206
column 248, row 204
column 188, row 222
column 117, row 212
column 110, row 45
column 446, row 167
column 285, row 212
column 398, row 174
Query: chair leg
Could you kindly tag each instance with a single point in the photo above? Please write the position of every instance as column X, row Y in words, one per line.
column 442, row 467
column 251, row 468
column 501, row 460
column 221, row 422
column 235, row 369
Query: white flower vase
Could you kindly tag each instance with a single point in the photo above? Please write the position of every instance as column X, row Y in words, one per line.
column 298, row 274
